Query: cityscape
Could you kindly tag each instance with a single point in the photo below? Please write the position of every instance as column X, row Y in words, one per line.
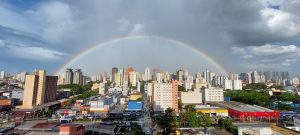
column 139, row 67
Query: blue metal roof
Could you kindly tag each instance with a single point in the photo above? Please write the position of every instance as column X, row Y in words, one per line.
column 135, row 105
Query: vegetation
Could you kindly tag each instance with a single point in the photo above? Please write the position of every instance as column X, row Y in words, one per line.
column 225, row 124
column 3, row 84
column 167, row 121
column 255, row 86
column 76, row 89
column 261, row 98
column 142, row 87
column 181, row 88
column 192, row 118
column 278, row 87
column 83, row 92
column 179, row 104
column 136, row 129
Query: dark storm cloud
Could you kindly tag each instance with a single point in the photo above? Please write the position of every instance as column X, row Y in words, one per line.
column 213, row 26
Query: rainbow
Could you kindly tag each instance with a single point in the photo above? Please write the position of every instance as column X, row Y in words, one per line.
column 115, row 40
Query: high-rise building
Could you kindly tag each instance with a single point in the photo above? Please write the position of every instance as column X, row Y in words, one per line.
column 159, row 77
column 78, row 77
column 50, row 89
column 132, row 78
column 39, row 89
column 165, row 95
column 41, row 74
column 237, row 85
column 69, row 76
column 180, row 76
column 255, row 78
column 2, row 74
column 114, row 71
column 148, row 75
column 189, row 82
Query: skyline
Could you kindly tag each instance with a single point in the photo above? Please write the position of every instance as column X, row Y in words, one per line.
column 238, row 35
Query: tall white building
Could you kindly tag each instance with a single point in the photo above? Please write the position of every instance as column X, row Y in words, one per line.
column 149, row 88
column 180, row 76
column 237, row 85
column 159, row 77
column 165, row 95
column 233, row 84
column 148, row 75
column 2, row 74
column 212, row 94
column 189, row 83
column 78, row 77
column 132, row 78
column 255, row 78
column 295, row 81
column 166, row 77
column 69, row 76
column 227, row 84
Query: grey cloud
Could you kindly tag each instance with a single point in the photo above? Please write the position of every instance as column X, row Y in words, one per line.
column 213, row 26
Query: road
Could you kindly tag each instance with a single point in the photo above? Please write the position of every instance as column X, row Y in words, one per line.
column 147, row 122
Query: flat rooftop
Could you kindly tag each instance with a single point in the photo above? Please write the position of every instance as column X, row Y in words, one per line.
column 251, row 124
column 42, row 133
column 102, row 126
column 242, row 107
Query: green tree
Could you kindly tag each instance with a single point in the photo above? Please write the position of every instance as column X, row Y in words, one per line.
column 167, row 121
column 181, row 88
column 255, row 86
column 179, row 104
column 225, row 124
column 192, row 118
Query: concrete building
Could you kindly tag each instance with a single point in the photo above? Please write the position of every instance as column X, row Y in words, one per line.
column 69, row 76
column 189, row 82
column 212, row 94
column 191, row 97
column 78, row 77
column 50, row 89
column 159, row 77
column 2, row 74
column 105, row 103
column 165, row 95
column 132, row 78
column 17, row 94
column 232, row 84
column 180, row 76
column 114, row 71
column 148, row 75
column 71, row 129
column 212, row 110
column 242, row 112
column 253, row 129
column 39, row 89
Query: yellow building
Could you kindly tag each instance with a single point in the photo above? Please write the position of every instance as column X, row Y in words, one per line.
column 212, row 110
column 135, row 96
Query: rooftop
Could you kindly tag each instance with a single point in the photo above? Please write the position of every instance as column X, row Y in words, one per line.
column 242, row 107
column 71, row 125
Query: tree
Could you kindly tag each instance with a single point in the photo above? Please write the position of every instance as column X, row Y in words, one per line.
column 179, row 104
column 167, row 121
column 225, row 124
column 192, row 118
column 181, row 88
column 255, row 86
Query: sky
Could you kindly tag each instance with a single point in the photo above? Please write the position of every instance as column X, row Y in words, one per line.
column 239, row 35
